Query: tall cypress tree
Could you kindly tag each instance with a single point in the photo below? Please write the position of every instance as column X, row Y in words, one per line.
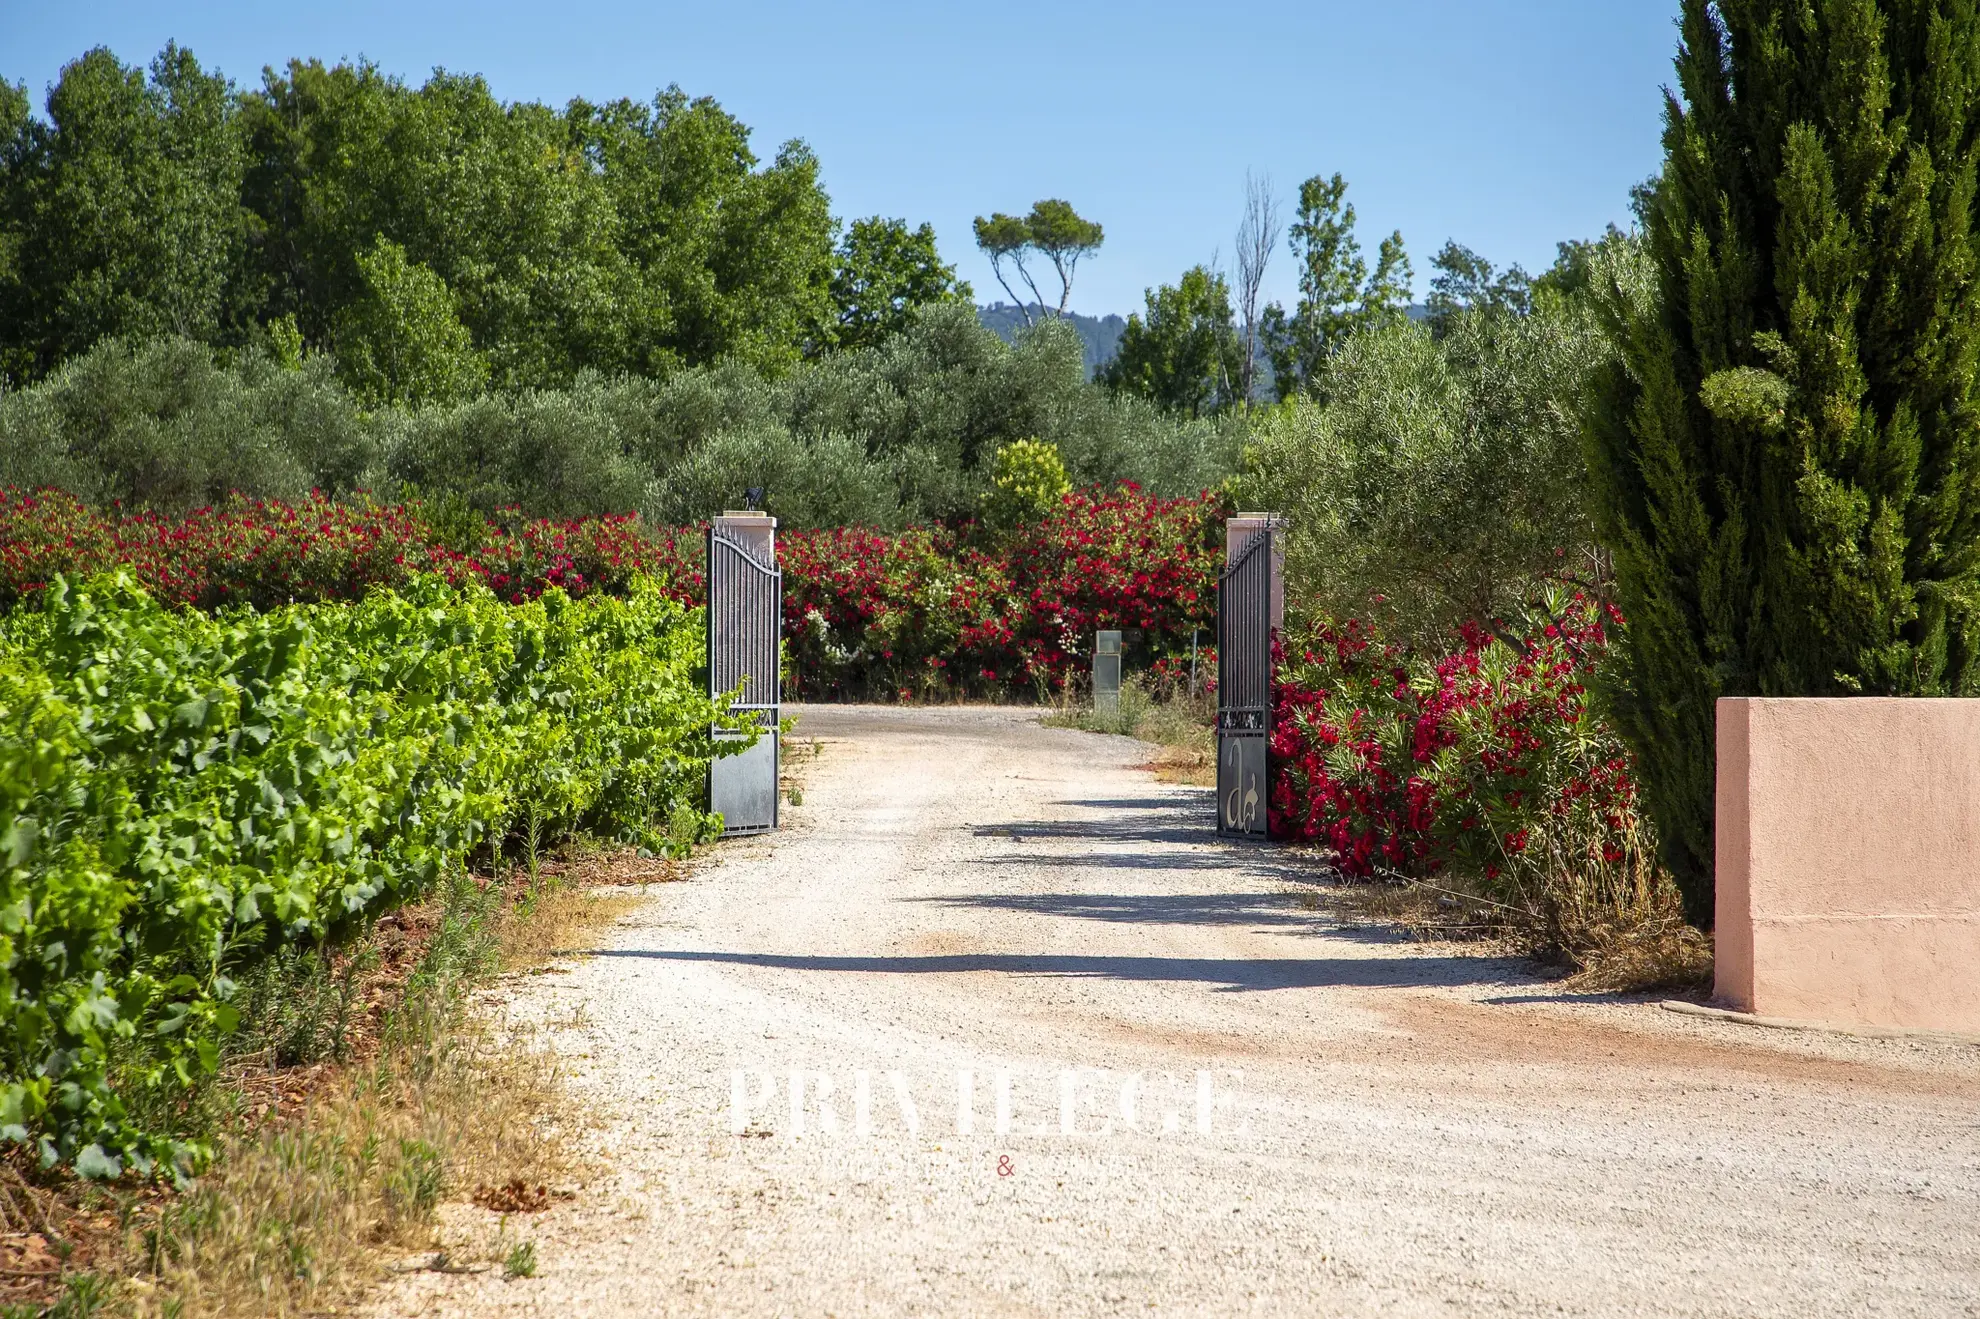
column 1787, row 453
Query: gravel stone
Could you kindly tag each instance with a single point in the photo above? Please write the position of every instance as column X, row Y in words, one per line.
column 1418, row 1130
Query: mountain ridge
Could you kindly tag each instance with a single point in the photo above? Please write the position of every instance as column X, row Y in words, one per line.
column 1099, row 336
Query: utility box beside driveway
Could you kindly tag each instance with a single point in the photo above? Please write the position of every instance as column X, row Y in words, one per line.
column 1107, row 673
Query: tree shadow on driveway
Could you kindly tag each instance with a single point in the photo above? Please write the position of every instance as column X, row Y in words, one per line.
column 1197, row 800
column 1228, row 974
column 1144, row 908
column 1243, row 860
column 1138, row 827
column 1128, row 820
column 1265, row 912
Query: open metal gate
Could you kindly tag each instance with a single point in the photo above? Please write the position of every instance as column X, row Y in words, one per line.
column 1244, row 686
column 745, row 638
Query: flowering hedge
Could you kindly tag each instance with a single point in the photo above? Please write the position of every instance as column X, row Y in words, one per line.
column 868, row 614
column 1118, row 559
column 262, row 553
column 1481, row 760
column 919, row 613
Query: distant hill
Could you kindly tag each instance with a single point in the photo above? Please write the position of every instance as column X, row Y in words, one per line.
column 1100, row 334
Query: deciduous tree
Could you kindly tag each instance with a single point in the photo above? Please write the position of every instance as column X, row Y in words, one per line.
column 1184, row 353
column 400, row 340
column 883, row 272
column 494, row 199
column 1338, row 294
column 1257, row 239
column 734, row 258
column 1465, row 279
column 123, row 209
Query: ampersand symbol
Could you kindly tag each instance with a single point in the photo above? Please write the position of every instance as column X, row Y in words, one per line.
column 1004, row 1168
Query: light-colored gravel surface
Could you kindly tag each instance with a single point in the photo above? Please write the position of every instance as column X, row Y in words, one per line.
column 1416, row 1131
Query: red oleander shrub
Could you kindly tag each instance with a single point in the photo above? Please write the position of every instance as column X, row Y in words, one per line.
column 261, row 553
column 1470, row 760
column 867, row 614
column 1104, row 559
column 920, row 614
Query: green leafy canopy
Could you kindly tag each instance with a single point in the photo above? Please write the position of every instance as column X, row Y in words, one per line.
column 1338, row 294
column 182, row 796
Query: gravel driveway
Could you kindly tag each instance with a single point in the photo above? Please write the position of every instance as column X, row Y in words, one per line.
column 1190, row 1091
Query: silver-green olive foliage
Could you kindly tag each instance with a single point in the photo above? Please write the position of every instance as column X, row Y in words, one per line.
column 1438, row 481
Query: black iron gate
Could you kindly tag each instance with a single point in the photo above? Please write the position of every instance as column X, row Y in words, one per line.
column 745, row 636
column 1244, row 687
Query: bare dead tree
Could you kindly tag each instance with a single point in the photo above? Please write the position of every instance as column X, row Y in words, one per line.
column 1226, row 388
column 1257, row 237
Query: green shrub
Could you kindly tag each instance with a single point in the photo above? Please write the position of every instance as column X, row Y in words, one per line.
column 899, row 433
column 1441, row 479
column 1027, row 480
column 164, row 425
column 936, row 402
column 1132, row 440
column 185, row 796
column 552, row 453
column 824, row 482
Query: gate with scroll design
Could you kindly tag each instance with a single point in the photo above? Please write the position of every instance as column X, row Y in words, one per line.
column 1244, row 686
column 745, row 638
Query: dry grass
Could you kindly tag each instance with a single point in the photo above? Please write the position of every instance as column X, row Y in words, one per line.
column 1616, row 930
column 298, row 1216
column 1181, row 727
column 796, row 759
column 1426, row 912
column 1624, row 931
column 341, row 1166
column 555, row 911
column 1193, row 765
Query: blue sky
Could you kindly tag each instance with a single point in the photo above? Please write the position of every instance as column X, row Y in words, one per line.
column 1507, row 124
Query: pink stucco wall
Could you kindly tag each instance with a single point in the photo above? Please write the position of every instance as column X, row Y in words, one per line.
column 1848, row 871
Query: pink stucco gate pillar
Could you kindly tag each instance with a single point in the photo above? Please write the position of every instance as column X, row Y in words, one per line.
column 1848, row 866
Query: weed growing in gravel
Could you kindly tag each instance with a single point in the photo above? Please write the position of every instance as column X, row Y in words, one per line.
column 521, row 1262
column 798, row 756
column 1181, row 726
